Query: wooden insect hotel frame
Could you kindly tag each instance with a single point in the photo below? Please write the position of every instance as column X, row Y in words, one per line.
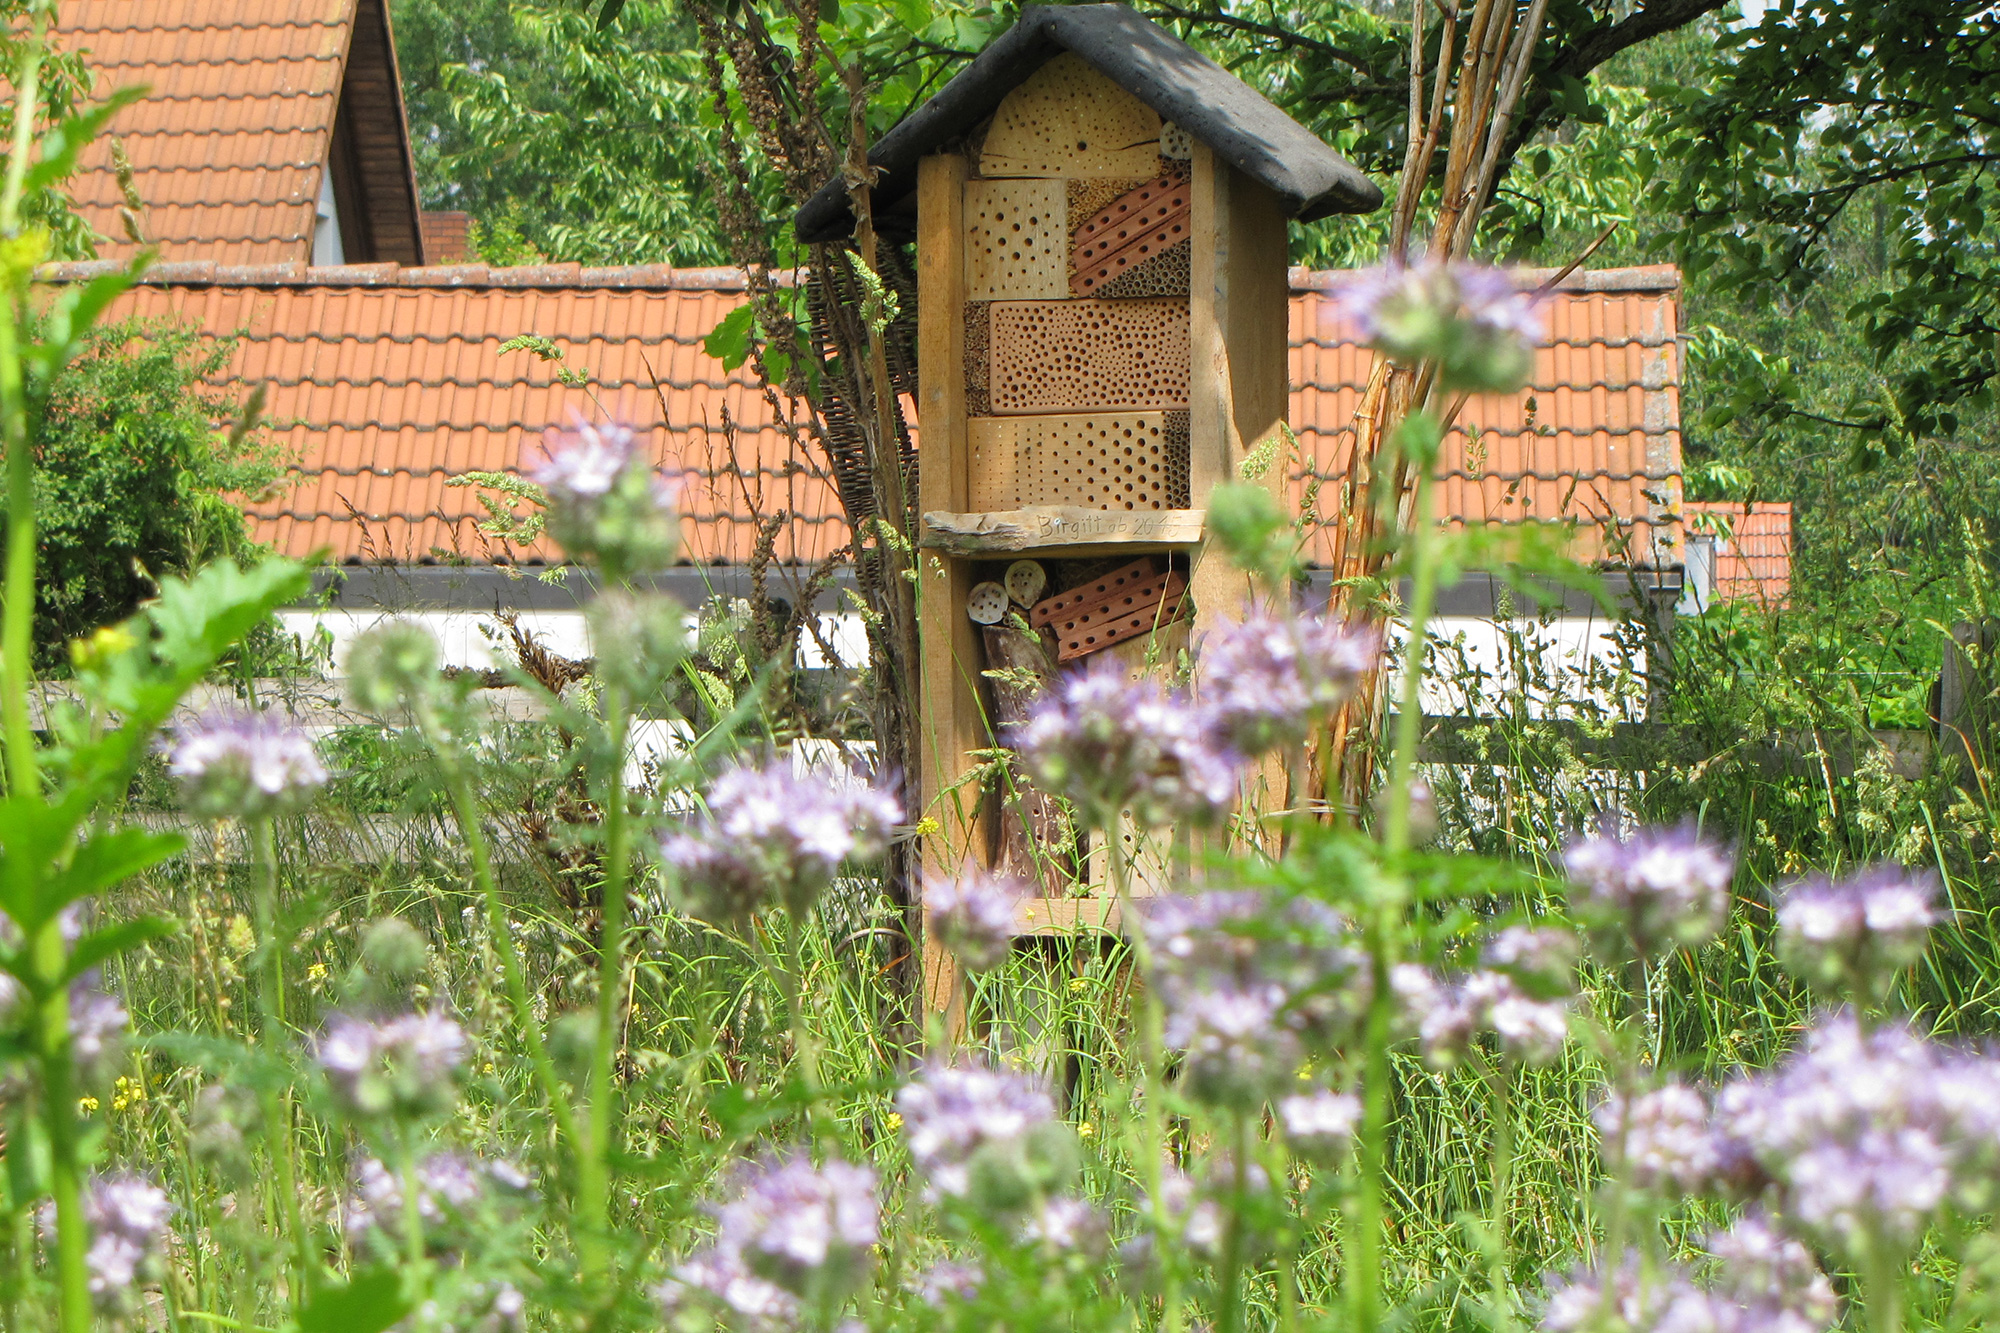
column 1100, row 216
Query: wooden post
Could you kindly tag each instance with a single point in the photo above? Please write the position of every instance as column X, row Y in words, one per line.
column 950, row 671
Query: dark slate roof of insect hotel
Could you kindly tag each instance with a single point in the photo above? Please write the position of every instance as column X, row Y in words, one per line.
column 1214, row 106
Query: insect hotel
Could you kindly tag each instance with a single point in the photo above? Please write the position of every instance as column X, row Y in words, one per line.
column 1100, row 218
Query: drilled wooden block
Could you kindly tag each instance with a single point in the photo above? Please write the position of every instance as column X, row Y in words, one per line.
column 1016, row 240
column 1066, row 119
column 993, row 464
column 1133, row 228
column 1139, row 610
column 1095, row 460
column 1102, row 588
column 1088, row 356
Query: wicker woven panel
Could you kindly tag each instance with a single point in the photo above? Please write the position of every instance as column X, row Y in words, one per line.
column 1140, row 609
column 1066, row 119
column 1105, row 586
column 1096, row 460
column 1088, row 356
column 1016, row 240
column 1133, row 228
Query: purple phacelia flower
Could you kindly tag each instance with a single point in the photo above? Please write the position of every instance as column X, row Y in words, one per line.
column 1768, row 1282
column 1066, row 1224
column 973, row 913
column 1447, row 1018
column 97, row 1023
column 449, row 1185
column 1238, row 1053
column 1294, row 955
column 1660, row 1140
column 1854, row 935
column 948, row 1281
column 1110, row 743
column 127, row 1215
column 811, row 1231
column 952, row 1115
column 1268, row 679
column 1320, row 1125
column 1643, row 896
column 1477, row 323
column 400, row 1066
column 246, row 766
column 1541, row 960
column 775, row 835
column 1867, row 1134
column 606, row 500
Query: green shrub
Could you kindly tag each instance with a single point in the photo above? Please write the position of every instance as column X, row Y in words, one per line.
column 140, row 473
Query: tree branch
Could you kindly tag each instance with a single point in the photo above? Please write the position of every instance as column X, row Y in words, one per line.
column 1283, row 36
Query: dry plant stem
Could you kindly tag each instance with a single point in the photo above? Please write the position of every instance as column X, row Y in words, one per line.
column 465, row 808
column 271, row 1014
column 594, row 1170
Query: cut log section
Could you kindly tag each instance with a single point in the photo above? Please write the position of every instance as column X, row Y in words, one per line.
column 986, row 604
column 1036, row 841
column 1025, row 582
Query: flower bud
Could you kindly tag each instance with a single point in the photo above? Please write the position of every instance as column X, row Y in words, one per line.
column 391, row 666
column 639, row 639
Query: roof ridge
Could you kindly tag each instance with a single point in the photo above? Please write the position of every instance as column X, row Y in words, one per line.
column 666, row 277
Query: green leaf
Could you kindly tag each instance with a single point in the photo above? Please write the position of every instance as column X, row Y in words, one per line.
column 368, row 1302
column 101, row 862
column 111, row 941
column 729, row 341
column 61, row 145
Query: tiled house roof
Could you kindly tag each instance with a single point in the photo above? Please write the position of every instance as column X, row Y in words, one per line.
column 252, row 105
column 1754, row 561
column 387, row 382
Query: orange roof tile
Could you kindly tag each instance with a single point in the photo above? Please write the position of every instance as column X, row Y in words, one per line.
column 1753, row 548
column 230, row 142
column 387, row 382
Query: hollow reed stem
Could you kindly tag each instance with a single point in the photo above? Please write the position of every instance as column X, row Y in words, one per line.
column 594, row 1175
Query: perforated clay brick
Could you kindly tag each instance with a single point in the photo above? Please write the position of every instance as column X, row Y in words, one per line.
column 1066, row 119
column 1016, row 240
column 1088, row 356
column 1126, row 232
column 1102, row 588
column 1137, row 610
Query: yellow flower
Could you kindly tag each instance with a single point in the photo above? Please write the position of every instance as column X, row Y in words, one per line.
column 1086, row 1130
column 127, row 1092
column 86, row 1105
column 894, row 1121
column 317, row 972
column 927, row 827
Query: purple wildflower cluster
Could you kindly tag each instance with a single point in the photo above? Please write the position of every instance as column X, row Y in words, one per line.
column 1863, row 1135
column 795, row 1238
column 990, row 1133
column 1642, row 896
column 246, row 766
column 128, row 1218
column 449, row 1185
column 1475, row 321
column 775, row 835
column 1660, row 1140
column 1853, row 936
column 1320, row 1125
column 1268, row 679
column 973, row 913
column 1765, row 1282
column 399, row 1066
column 1448, row 1016
column 97, row 1023
column 606, row 500
column 947, row 1281
column 1247, row 984
column 1109, row 743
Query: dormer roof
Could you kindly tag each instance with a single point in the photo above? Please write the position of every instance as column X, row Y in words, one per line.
column 253, row 106
column 1184, row 86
